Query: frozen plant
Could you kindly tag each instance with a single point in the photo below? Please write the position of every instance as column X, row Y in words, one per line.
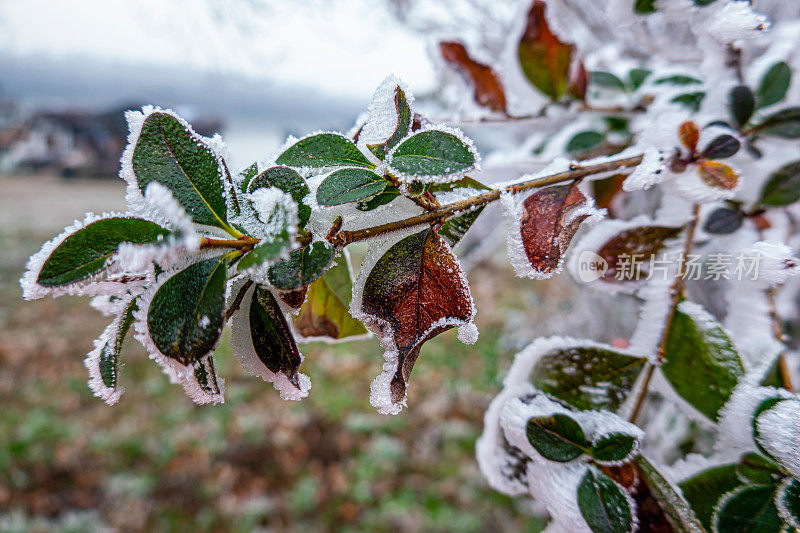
column 669, row 170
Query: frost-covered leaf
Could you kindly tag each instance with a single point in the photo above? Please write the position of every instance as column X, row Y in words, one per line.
column 782, row 187
column 787, row 501
column 774, row 84
column 324, row 150
column 748, row 510
column 723, row 221
column 637, row 76
column 389, row 194
column 704, row 490
column 169, row 153
column 679, row 80
column 326, row 310
column 103, row 361
column 302, row 267
column 269, row 249
column 432, row 152
column 210, row 388
column 691, row 101
column 645, row 241
column 587, row 377
column 673, row 504
column 777, row 432
column 454, row 228
column 718, row 175
column 556, row 437
column 614, row 447
column 604, row 504
column 246, row 176
column 486, row 85
column 784, row 124
column 584, row 141
column 756, row 469
column 763, row 406
column 271, row 337
column 389, row 120
column 701, row 363
column 418, row 289
column 606, row 80
column 87, row 251
column 289, row 181
column 185, row 316
column 544, row 59
column 689, row 134
column 741, row 103
column 349, row 185
column 721, row 147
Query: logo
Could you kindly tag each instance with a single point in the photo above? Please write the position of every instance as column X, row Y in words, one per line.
column 591, row 266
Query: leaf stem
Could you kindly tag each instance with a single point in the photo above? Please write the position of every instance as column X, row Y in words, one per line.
column 777, row 330
column 677, row 290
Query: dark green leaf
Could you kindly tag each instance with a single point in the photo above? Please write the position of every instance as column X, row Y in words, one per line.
column 721, row 147
column 403, row 128
column 169, row 154
column 289, row 181
column 637, row 76
column 758, row 470
column 583, row 141
column 616, row 124
column 678, row 511
column 349, row 185
column 784, row 124
column 678, row 79
column 324, row 150
column 87, row 251
column 389, row 194
column 108, row 356
column 247, row 175
column 205, row 374
column 741, row 103
column 587, row 377
column 692, row 101
column 783, row 186
column 185, row 317
column 302, row 267
column 765, row 405
column 723, row 221
column 788, row 501
column 613, row 448
column 432, row 153
column 267, row 250
column 701, row 363
column 749, row 510
column 644, row 7
column 606, row 80
column 456, row 227
column 556, row 437
column 774, row 84
column 604, row 504
column 272, row 338
column 704, row 490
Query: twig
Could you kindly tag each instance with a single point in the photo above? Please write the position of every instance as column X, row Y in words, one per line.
column 677, row 290
column 242, row 242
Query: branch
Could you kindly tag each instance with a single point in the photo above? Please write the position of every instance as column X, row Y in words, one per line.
column 677, row 290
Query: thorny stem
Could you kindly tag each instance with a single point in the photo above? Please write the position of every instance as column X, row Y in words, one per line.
column 677, row 290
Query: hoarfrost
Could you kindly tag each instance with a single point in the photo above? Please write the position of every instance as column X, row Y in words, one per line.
column 779, row 433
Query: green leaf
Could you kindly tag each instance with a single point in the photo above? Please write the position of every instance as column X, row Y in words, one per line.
column 185, row 317
column 205, row 375
column 267, row 250
column 456, row 227
column 679, row 80
column 606, row 80
column 583, row 141
column 169, row 154
column 692, row 101
column 103, row 362
column 787, row 501
column 758, row 470
column 748, row 510
column 403, row 128
column 302, row 267
column 774, row 84
column 324, row 150
column 247, row 175
column 637, row 76
column 614, row 448
column 644, row 7
column 272, row 338
column 678, row 511
column 604, row 504
column 326, row 311
column 701, row 363
column 544, row 58
column 432, row 153
column 765, row 405
column 556, row 437
column 741, row 103
column 86, row 252
column 349, row 185
column 782, row 187
column 784, row 124
column 389, row 194
column 587, row 377
column 289, row 181
column 704, row 490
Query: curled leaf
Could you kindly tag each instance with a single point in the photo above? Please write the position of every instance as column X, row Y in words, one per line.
column 486, row 85
column 272, row 339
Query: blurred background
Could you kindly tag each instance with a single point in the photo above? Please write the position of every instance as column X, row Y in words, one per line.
column 255, row 71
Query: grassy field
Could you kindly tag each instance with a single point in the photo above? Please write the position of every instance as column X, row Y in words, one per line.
column 157, row 462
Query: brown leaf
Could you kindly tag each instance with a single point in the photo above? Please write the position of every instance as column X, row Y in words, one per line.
column 718, row 175
column 544, row 59
column 606, row 190
column 418, row 290
column 486, row 85
column 642, row 242
column 578, row 80
column 295, row 298
column 546, row 234
column 689, row 135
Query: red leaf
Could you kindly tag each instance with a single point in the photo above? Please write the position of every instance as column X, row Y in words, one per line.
column 486, row 85
column 544, row 59
column 606, row 190
column 417, row 289
column 546, row 227
column 295, row 298
column 641, row 243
